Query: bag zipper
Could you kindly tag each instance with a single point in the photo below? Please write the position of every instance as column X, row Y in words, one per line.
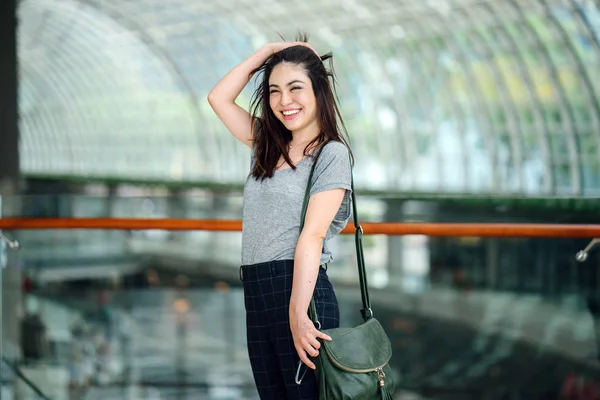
column 379, row 370
column 381, row 376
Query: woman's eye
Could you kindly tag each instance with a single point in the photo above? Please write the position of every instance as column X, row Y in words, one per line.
column 273, row 91
column 296, row 87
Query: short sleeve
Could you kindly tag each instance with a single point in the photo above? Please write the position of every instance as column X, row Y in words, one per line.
column 334, row 171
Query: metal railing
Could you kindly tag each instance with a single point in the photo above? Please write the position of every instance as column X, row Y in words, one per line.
column 373, row 228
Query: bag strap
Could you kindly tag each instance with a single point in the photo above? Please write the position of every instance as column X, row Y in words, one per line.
column 366, row 311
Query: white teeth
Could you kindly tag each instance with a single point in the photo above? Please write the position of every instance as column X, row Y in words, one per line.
column 292, row 112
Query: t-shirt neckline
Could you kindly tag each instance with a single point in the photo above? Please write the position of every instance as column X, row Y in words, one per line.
column 297, row 164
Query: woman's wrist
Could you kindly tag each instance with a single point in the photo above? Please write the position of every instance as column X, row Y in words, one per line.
column 297, row 310
column 269, row 49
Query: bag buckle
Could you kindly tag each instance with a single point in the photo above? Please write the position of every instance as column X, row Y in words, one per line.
column 367, row 313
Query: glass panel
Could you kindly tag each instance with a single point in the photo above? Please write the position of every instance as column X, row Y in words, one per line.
column 150, row 119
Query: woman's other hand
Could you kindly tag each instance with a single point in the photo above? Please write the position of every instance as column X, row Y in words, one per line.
column 306, row 337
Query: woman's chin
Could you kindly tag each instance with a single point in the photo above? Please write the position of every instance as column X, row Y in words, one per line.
column 291, row 125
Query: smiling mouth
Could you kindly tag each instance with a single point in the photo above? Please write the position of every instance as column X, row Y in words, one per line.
column 290, row 114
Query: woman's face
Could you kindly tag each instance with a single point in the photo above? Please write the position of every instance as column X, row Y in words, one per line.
column 292, row 98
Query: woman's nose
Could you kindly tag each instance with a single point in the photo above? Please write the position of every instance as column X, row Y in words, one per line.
column 285, row 99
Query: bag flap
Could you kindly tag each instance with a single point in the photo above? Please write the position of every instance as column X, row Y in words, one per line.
column 364, row 347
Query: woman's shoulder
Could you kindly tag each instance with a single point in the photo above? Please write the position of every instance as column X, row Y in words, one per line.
column 334, row 158
column 334, row 149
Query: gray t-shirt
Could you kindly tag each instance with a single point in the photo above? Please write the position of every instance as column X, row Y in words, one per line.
column 273, row 206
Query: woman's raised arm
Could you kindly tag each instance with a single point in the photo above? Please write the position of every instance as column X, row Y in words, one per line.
column 222, row 97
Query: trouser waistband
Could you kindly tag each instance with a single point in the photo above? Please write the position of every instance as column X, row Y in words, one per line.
column 269, row 269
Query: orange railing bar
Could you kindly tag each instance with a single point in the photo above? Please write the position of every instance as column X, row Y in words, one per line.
column 384, row 228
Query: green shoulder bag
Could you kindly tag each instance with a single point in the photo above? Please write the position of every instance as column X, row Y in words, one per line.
column 355, row 364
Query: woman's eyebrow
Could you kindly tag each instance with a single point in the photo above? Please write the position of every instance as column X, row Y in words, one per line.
column 289, row 83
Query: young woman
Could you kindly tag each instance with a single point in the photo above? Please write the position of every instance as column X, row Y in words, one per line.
column 295, row 122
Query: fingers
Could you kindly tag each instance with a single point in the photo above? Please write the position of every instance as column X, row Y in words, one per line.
column 308, row 347
column 314, row 345
column 306, row 338
column 304, row 358
column 311, row 346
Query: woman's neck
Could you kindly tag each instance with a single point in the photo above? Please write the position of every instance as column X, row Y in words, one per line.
column 303, row 137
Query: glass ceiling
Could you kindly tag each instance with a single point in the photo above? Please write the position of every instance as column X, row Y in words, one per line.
column 439, row 96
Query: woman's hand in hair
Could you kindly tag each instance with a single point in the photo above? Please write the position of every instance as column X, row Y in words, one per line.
column 306, row 337
column 278, row 46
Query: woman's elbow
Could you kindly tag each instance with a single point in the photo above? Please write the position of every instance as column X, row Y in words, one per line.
column 313, row 236
column 211, row 98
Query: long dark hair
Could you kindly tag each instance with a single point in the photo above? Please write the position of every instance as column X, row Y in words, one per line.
column 271, row 137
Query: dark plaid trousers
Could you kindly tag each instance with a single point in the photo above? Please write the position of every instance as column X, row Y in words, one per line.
column 273, row 357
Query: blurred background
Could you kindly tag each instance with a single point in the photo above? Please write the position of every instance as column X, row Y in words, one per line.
column 457, row 110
